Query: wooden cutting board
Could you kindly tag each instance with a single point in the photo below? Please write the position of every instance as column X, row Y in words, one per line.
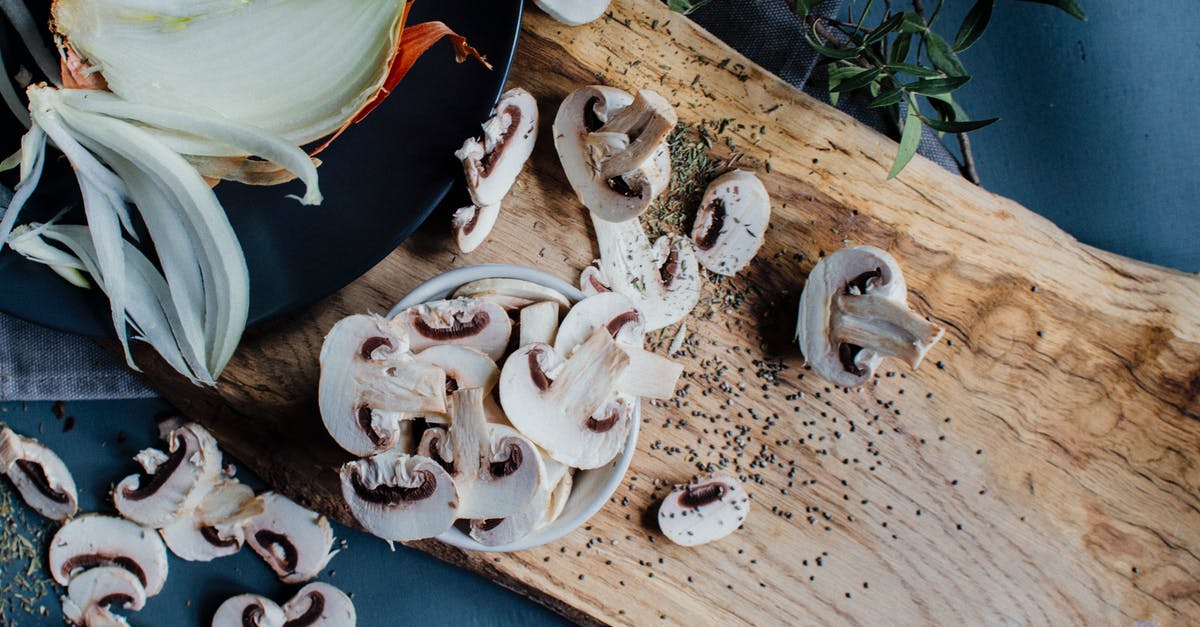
column 1041, row 467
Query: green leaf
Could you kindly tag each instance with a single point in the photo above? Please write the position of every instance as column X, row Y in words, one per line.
column 933, row 86
column 686, row 6
column 942, row 56
column 887, row 98
column 804, row 6
column 913, row 23
column 892, row 23
column 973, row 25
column 832, row 53
column 1070, row 6
column 914, row 70
column 900, row 47
column 862, row 79
column 959, row 126
column 909, row 140
column 947, row 107
column 845, row 71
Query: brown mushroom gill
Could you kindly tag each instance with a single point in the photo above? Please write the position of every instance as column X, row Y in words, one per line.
column 371, row 344
column 37, row 476
column 540, row 380
column 451, row 385
column 885, row 326
column 591, row 120
column 489, row 524
column 848, row 354
column 91, row 560
column 213, row 537
column 670, row 267
column 469, row 227
column 619, row 185
column 619, row 321
column 148, row 484
column 492, row 157
column 604, row 425
column 268, row 539
column 116, row 597
column 457, row 329
column 394, row 495
column 510, row 465
column 365, row 423
column 252, row 615
column 316, row 607
column 716, row 223
column 861, row 283
column 701, row 495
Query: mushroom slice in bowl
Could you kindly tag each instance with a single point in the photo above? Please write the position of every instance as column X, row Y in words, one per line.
column 92, row 594
column 854, row 312
column 216, row 528
column 464, row 368
column 569, row 408
column 470, row 322
column 320, row 604
column 573, row 12
column 704, row 511
column 369, row 379
column 495, row 469
column 294, row 541
column 511, row 294
column 95, row 540
column 492, row 165
column 731, row 222
column 249, row 610
column 173, row 483
column 39, row 475
column 662, row 280
column 399, row 497
column 613, row 150
column 533, row 515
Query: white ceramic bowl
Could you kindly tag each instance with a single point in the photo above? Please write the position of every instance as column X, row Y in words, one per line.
column 591, row 488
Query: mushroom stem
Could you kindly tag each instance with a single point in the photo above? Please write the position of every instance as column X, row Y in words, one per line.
column 411, row 387
column 882, row 325
column 643, row 125
column 588, row 378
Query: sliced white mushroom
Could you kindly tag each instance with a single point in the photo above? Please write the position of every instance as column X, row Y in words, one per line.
column 559, row 498
column 93, row 596
column 854, row 312
column 370, row 381
column 613, row 150
column 249, row 610
column 592, row 280
column 492, row 165
column 320, row 605
column 464, row 368
column 94, row 540
column 511, row 294
column 216, row 528
column 662, row 280
column 731, row 222
column 472, row 225
column 534, row 514
column 173, row 484
column 471, row 322
column 539, row 323
column 399, row 497
column 294, row 541
column 649, row 375
column 39, row 475
column 703, row 511
column 569, row 408
column 573, row 12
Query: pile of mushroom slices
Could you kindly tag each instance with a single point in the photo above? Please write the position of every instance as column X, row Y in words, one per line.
column 317, row 604
column 444, row 434
column 613, row 147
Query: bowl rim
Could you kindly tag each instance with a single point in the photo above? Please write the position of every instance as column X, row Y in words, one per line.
column 441, row 286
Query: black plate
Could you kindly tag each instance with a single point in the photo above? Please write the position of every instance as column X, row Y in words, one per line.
column 380, row 180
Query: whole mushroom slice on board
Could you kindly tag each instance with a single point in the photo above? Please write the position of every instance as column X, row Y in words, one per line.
column 731, row 222
column 92, row 595
column 613, row 150
column 370, row 380
column 399, row 497
column 464, row 368
column 471, row 322
column 573, row 12
column 492, row 165
column 320, row 605
column 854, row 312
column 39, row 475
column 249, row 610
column 511, row 294
column 94, row 540
column 703, row 511
column 662, row 280
column 294, row 541
column 216, row 528
column 175, row 482
column 569, row 408
column 532, row 516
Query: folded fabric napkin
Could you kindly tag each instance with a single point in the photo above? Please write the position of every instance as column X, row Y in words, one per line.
column 42, row 364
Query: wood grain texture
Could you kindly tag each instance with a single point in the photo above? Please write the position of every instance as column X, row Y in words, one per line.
column 1041, row 467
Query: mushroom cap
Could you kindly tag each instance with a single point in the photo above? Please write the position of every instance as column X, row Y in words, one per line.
column 511, row 294
column 294, row 541
column 846, row 274
column 464, row 368
column 573, row 12
column 662, row 281
column 320, row 604
column 92, row 594
column 472, row 224
column 533, row 515
column 569, row 408
column 492, row 166
column 592, row 280
column 471, row 322
column 249, row 610
column 216, row 528
column 496, row 469
column 94, row 540
column 731, row 222
column 399, row 497
column 369, row 379
column 610, row 310
column 39, row 475
column 584, row 144
column 704, row 511
column 173, row 484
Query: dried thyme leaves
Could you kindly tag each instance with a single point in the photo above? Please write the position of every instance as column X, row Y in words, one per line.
column 24, row 583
